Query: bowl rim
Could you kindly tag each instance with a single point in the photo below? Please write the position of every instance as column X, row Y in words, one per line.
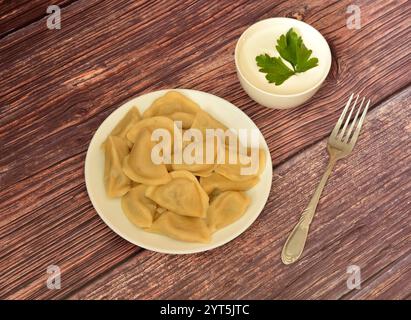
column 328, row 67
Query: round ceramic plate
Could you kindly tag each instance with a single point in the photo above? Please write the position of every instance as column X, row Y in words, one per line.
column 110, row 209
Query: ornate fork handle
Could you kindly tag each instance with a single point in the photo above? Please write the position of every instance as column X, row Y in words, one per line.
column 295, row 243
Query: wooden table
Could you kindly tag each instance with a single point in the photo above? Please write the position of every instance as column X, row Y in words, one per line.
column 57, row 86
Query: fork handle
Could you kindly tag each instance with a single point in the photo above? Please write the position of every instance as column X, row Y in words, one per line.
column 294, row 246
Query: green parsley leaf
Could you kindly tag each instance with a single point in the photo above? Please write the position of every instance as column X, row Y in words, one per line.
column 292, row 49
column 276, row 70
column 287, row 47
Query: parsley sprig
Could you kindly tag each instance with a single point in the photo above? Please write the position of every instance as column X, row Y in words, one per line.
column 292, row 49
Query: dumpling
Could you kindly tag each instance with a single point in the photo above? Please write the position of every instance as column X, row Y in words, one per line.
column 185, row 118
column 226, row 208
column 182, row 195
column 134, row 184
column 151, row 124
column 199, row 170
column 233, row 171
column 202, row 169
column 218, row 182
column 203, row 121
column 139, row 166
column 125, row 124
column 115, row 181
column 184, row 201
column 139, row 209
column 181, row 228
column 171, row 103
column 159, row 211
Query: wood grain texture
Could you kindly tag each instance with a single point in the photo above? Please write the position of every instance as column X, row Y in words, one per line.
column 17, row 14
column 57, row 86
column 105, row 55
column 363, row 218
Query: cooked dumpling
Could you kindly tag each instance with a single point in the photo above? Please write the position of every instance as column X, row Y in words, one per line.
column 200, row 170
column 139, row 166
column 115, row 181
column 185, row 118
column 170, row 103
column 181, row 228
column 182, row 195
column 151, row 124
column 218, row 182
column 233, row 171
column 206, row 171
column 203, row 169
column 161, row 210
column 192, row 167
column 139, row 209
column 203, row 121
column 226, row 208
column 134, row 184
column 125, row 124
column 187, row 202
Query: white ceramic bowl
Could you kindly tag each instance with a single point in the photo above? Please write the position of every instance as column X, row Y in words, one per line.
column 110, row 209
column 262, row 37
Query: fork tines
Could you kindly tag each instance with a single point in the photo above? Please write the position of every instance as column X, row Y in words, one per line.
column 351, row 135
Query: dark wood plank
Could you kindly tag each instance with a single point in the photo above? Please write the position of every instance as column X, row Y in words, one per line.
column 59, row 85
column 61, row 232
column 392, row 282
column 362, row 219
column 16, row 14
column 99, row 60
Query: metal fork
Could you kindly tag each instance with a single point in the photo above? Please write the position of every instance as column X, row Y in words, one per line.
column 340, row 145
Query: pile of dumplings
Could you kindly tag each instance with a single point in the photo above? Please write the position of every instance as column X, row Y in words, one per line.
column 187, row 202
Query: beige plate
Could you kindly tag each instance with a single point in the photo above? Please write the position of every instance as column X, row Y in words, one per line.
column 110, row 210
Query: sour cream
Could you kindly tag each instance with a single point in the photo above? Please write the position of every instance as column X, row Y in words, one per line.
column 262, row 38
